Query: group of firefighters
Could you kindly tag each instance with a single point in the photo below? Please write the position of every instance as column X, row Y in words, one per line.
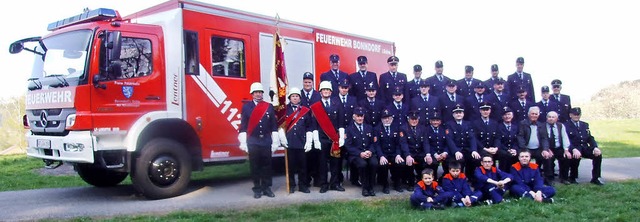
column 392, row 124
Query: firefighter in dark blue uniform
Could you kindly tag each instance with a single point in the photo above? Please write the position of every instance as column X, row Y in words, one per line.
column 546, row 104
column 298, row 139
column 335, row 75
column 586, row 146
column 425, row 104
column 486, row 131
column 438, row 82
column 414, row 84
column 466, row 85
column 518, row 79
column 309, row 96
column 360, row 79
column 438, row 145
column 399, row 109
column 372, row 106
column 499, row 99
column 472, row 102
column 563, row 101
column 349, row 103
column 329, row 162
column 449, row 100
column 508, row 133
column 463, row 139
column 521, row 105
column 418, row 147
column 391, row 79
column 390, row 150
column 494, row 79
column 259, row 140
column 360, row 142
column 527, row 181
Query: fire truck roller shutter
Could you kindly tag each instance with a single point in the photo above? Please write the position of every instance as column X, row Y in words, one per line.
column 298, row 57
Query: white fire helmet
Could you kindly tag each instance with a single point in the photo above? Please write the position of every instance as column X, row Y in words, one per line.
column 293, row 90
column 256, row 86
column 325, row 85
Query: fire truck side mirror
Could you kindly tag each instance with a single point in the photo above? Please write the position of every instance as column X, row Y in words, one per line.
column 96, row 82
column 16, row 47
column 113, row 45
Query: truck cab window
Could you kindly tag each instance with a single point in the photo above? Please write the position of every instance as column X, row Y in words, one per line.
column 228, row 57
column 135, row 58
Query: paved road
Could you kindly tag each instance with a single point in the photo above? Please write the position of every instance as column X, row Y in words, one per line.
column 209, row 196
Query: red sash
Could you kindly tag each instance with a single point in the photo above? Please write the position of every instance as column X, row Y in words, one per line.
column 290, row 121
column 327, row 127
column 256, row 116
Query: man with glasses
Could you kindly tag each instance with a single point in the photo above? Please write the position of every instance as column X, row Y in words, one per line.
column 491, row 181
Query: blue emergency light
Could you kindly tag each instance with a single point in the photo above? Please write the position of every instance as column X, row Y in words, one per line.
column 101, row 14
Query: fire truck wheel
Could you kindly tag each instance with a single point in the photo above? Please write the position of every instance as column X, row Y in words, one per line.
column 98, row 176
column 162, row 170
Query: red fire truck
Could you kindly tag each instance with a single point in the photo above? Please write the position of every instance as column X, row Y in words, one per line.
column 158, row 93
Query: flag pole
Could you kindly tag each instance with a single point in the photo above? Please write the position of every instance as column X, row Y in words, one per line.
column 277, row 42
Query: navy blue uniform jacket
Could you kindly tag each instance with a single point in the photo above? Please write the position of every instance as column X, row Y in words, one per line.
column 358, row 142
column 261, row 135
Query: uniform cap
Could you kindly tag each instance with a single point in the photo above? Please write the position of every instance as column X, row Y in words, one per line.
column 520, row 60
column 386, row 113
column 494, row 67
column 293, row 90
column 393, row 59
column 556, row 82
column 362, row 60
column 468, row 68
column 506, row 110
column 344, row 83
column 334, row 58
column 256, row 86
column 398, row 90
column 479, row 85
column 325, row 85
column 358, row 111
column 417, row 68
column 452, row 83
column 435, row 115
column 413, row 114
column 458, row 108
column 423, row 82
column 575, row 111
column 500, row 80
column 307, row 75
column 545, row 89
column 521, row 89
column 439, row 64
column 370, row 86
column 485, row 105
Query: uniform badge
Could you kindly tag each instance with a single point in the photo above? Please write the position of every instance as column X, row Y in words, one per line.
column 127, row 91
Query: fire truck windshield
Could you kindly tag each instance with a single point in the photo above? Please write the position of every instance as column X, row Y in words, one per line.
column 66, row 56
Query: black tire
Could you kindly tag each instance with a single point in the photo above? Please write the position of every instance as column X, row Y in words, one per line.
column 162, row 170
column 98, row 176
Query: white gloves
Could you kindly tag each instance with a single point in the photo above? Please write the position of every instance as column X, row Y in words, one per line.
column 341, row 135
column 316, row 139
column 275, row 142
column 307, row 144
column 242, row 137
column 283, row 137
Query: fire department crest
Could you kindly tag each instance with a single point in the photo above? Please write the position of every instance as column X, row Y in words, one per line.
column 127, row 91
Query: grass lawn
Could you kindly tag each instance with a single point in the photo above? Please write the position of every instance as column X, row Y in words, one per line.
column 617, row 138
column 584, row 202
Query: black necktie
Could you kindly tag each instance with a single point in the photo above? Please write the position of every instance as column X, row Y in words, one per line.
column 363, row 74
column 295, row 108
column 552, row 137
column 399, row 106
column 308, row 97
column 425, row 99
column 344, row 99
column 468, row 83
column 486, row 122
column 520, row 75
column 509, row 128
column 480, row 99
column 336, row 74
column 522, row 104
column 558, row 98
column 453, row 99
column 435, row 130
column 546, row 104
column 371, row 103
column 499, row 95
column 386, row 128
column 360, row 128
column 326, row 103
column 413, row 129
column 439, row 78
column 578, row 125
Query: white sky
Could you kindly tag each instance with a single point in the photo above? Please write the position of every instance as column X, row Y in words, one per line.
column 587, row 44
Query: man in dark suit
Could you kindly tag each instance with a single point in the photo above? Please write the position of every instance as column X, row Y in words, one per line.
column 414, row 84
column 584, row 145
column 391, row 149
column 533, row 135
column 296, row 136
column 494, row 78
column 508, row 133
column 499, row 99
column 360, row 142
column 398, row 109
column 520, row 78
column 335, row 75
column 486, row 131
column 259, row 140
column 449, row 100
column 521, row 105
column 438, row 145
column 472, row 102
column 392, row 79
column 329, row 109
column 462, row 138
column 546, row 104
column 372, row 106
column 360, row 79
column 438, row 82
column 308, row 95
column 425, row 104
column 563, row 101
column 348, row 103
column 467, row 84
column 418, row 155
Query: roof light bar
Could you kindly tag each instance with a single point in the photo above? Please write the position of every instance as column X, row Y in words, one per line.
column 101, row 14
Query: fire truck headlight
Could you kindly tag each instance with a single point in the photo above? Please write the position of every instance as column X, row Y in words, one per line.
column 71, row 120
column 73, row 147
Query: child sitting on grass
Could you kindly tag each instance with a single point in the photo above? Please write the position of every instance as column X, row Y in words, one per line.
column 427, row 195
column 457, row 183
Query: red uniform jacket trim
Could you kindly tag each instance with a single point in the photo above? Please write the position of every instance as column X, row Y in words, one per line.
column 290, row 121
column 449, row 177
column 327, row 127
column 423, row 186
column 256, row 116
column 518, row 167
column 493, row 169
